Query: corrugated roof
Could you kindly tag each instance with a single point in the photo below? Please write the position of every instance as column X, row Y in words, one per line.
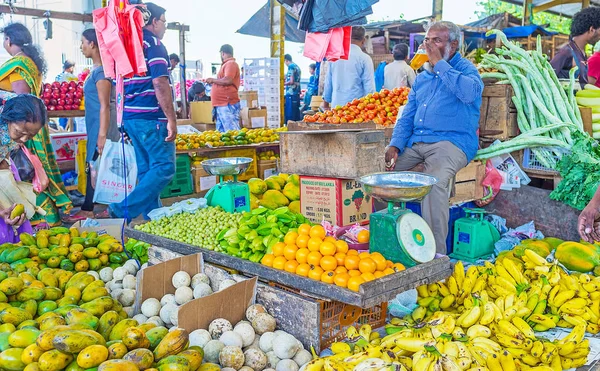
column 567, row 10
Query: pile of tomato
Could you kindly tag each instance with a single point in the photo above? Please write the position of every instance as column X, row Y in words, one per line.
column 381, row 108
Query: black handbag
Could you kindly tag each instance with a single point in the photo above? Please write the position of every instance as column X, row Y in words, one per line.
column 23, row 165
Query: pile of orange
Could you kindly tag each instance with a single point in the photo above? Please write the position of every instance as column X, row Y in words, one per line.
column 310, row 253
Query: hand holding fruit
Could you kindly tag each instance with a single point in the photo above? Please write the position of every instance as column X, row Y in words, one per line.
column 14, row 216
column 391, row 155
column 587, row 224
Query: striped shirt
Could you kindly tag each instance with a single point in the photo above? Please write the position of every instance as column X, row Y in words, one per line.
column 140, row 98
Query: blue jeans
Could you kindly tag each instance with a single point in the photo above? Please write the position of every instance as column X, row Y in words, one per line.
column 292, row 108
column 155, row 160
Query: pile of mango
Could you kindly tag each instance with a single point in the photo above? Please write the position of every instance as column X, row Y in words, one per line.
column 63, row 248
column 267, row 155
column 276, row 191
column 53, row 319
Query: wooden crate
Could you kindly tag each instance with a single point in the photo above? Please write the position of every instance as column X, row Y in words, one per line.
column 266, row 168
column 304, row 126
column 467, row 185
column 347, row 155
column 498, row 113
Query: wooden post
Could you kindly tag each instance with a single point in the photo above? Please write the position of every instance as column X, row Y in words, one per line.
column 526, row 12
column 438, row 7
column 182, row 29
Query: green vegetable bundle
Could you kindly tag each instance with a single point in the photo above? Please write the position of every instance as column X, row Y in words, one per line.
column 580, row 170
column 258, row 231
column 138, row 250
column 546, row 113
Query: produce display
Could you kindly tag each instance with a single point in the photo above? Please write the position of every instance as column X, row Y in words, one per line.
column 258, row 232
column 276, row 191
column 590, row 97
column 381, row 108
column 267, row 155
column 309, row 252
column 547, row 114
column 213, row 138
column 63, row 96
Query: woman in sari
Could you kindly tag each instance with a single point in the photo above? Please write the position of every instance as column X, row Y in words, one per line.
column 22, row 74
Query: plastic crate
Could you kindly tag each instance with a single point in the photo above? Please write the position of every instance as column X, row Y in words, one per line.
column 335, row 317
column 531, row 162
column 182, row 183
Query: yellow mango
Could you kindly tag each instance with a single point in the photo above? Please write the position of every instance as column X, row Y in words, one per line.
column 142, row 358
column 54, row 360
column 117, row 351
column 92, row 356
column 31, row 354
column 117, row 365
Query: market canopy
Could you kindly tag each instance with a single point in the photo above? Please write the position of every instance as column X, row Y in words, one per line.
column 524, row 31
column 566, row 10
column 260, row 25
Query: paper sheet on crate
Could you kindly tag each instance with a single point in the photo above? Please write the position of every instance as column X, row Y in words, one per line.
column 559, row 333
column 515, row 176
column 187, row 129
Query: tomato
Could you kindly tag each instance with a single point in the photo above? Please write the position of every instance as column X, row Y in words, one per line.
column 290, row 238
column 267, row 260
column 279, row 262
column 278, row 249
column 327, row 249
column 289, row 252
column 379, row 261
column 327, row 277
column 355, row 282
column 302, row 241
column 351, row 262
column 341, row 258
column 398, row 267
column 370, row 106
column 367, row 265
column 341, row 279
column 315, row 273
column 341, row 246
column 314, row 244
column 304, row 229
column 314, row 258
column 328, row 263
column 302, row 270
column 302, row 255
column 291, row 266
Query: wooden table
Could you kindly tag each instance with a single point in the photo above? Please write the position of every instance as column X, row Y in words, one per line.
column 221, row 149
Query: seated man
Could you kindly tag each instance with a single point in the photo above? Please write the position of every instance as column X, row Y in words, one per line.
column 439, row 124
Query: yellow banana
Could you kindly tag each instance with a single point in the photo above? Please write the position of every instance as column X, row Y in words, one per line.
column 566, row 363
column 562, row 298
column 555, row 364
column 566, row 348
column 464, row 362
column 479, row 285
column 542, row 320
column 472, row 317
column 487, row 344
column 432, row 289
column 479, row 331
column 479, row 355
column 552, row 294
column 509, row 301
column 419, row 313
column 493, row 363
column 530, row 360
column 578, row 353
column 458, row 333
column 550, row 351
column 517, row 352
column 443, row 289
column 523, row 327
column 423, row 364
column 509, row 329
column 451, row 349
column 315, row 365
column 459, row 273
column 507, row 361
column 448, row 364
column 513, row 269
column 578, row 362
column 541, row 368
column 591, row 287
column 488, row 314
column 511, row 342
column 535, row 258
column 576, row 335
column 500, row 303
column 452, row 285
column 574, row 320
column 502, row 272
column 593, row 328
column 463, row 351
column 409, row 344
column 422, row 291
column 506, row 284
column 537, row 349
column 532, row 302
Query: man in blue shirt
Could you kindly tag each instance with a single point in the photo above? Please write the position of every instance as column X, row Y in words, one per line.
column 351, row 79
column 292, row 90
column 438, row 127
column 150, row 122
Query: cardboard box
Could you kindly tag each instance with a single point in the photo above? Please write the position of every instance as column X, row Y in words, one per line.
column 202, row 180
column 65, row 145
column 253, row 118
column 201, row 112
column 266, row 168
column 205, row 127
column 341, row 202
column 249, row 99
column 184, row 122
column 112, row 227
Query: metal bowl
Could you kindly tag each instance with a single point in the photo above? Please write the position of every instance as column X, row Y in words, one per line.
column 227, row 165
column 402, row 186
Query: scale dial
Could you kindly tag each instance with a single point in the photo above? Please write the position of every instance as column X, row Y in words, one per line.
column 415, row 237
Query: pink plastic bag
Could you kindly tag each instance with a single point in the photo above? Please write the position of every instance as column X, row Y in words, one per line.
column 40, row 180
column 491, row 182
column 332, row 45
column 316, row 44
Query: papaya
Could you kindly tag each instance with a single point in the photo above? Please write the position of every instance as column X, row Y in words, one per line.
column 35, row 366
column 54, row 360
column 59, row 230
column 64, row 306
column 142, row 358
column 73, row 341
column 10, row 359
column 77, row 240
column 577, row 257
column 539, row 247
column 194, row 357
column 76, row 248
column 107, row 322
column 80, row 326
column 82, row 266
column 209, row 367
column 15, row 315
column 3, row 298
column 46, row 254
column 117, row 365
column 257, row 186
column 117, row 332
column 91, row 252
column 46, row 338
column 553, row 242
column 47, row 277
column 67, row 264
column 174, row 359
column 42, row 241
column 272, row 184
column 31, row 293
column 27, row 278
column 73, row 232
column 117, row 351
column 292, row 192
column 52, row 293
column 73, row 366
column 145, row 327
column 155, row 335
column 95, row 264
column 92, row 356
column 73, row 292
column 54, row 262
column 4, row 345
column 65, row 240
column 31, row 354
column 23, row 338
column 294, row 179
column 80, row 281
column 26, row 239
column 7, row 327
column 11, row 285
column 173, row 343
column 30, row 306
column 173, row 367
column 28, row 324
column 134, row 338
column 61, row 251
column 273, row 199
column 93, row 292
column 80, row 315
column 294, row 207
column 17, row 254
column 99, row 339
column 105, row 247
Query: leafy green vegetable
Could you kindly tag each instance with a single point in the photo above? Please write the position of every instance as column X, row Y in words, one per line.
column 580, row 171
column 138, row 250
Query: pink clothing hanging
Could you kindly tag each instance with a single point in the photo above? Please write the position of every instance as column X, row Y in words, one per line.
column 332, row 45
column 120, row 40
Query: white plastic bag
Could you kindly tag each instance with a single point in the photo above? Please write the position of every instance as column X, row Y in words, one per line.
column 117, row 168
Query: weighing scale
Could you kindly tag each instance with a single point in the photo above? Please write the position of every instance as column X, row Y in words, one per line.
column 231, row 195
column 474, row 237
column 397, row 233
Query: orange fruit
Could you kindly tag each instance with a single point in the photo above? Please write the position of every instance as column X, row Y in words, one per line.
column 389, row 263
column 289, row 252
column 290, row 238
column 363, row 236
column 379, row 261
column 328, row 263
column 355, row 282
column 367, row 265
column 367, row 276
column 314, row 258
column 352, row 252
column 327, row 277
column 341, row 258
column 302, row 270
column 315, row 273
column 330, row 239
column 314, row 244
column 351, row 262
column 302, row 241
column 291, row 266
column 379, row 274
column 279, row 262
column 388, row 271
column 301, row 255
column 340, row 269
column 341, row 246
column 354, row 273
column 364, row 255
column 278, row 249
column 304, row 230
column 267, row 260
column 398, row 267
column 327, row 249
column 318, row 231
column 341, row 279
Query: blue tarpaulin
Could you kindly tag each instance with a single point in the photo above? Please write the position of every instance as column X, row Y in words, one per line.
column 328, row 14
column 260, row 25
column 524, row 31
